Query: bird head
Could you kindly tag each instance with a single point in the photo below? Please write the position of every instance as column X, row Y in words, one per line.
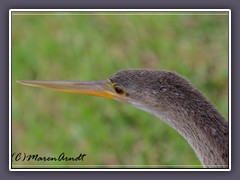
column 143, row 88
column 150, row 89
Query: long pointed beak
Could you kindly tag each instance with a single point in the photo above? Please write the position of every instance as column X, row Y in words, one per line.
column 95, row 88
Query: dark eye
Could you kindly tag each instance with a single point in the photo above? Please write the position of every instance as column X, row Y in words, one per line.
column 119, row 89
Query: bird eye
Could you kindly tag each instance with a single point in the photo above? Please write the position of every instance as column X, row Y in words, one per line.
column 118, row 89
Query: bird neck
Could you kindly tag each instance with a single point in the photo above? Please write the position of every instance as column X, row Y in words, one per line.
column 206, row 131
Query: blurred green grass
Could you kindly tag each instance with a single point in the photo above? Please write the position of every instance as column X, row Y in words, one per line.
column 92, row 47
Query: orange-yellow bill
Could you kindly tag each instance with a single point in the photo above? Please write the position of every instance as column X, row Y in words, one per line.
column 95, row 88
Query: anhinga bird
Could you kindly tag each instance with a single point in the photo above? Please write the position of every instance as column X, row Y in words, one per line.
column 169, row 97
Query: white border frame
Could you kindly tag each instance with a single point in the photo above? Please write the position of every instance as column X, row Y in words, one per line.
column 116, row 10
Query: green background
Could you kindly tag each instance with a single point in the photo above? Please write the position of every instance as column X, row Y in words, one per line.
column 93, row 46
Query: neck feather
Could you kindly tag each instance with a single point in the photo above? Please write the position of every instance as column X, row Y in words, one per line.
column 206, row 131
